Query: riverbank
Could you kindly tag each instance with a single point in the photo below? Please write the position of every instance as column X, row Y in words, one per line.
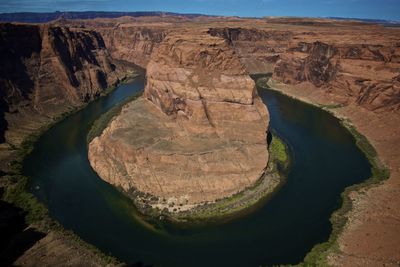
column 101, row 123
column 363, row 231
column 55, row 239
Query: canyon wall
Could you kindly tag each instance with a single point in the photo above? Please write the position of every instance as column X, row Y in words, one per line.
column 126, row 38
column 351, row 62
column 48, row 70
column 365, row 74
column 132, row 43
column 353, row 70
column 197, row 135
column 258, row 49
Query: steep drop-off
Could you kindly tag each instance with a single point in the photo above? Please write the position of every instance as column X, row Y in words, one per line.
column 258, row 49
column 349, row 62
column 351, row 66
column 126, row 38
column 197, row 135
column 47, row 70
column 134, row 44
column 352, row 69
column 362, row 73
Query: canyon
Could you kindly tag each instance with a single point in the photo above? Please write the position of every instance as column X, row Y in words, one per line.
column 348, row 67
column 47, row 71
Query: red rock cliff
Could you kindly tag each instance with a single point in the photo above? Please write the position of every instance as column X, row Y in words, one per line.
column 366, row 74
column 352, row 62
column 133, row 44
column 47, row 70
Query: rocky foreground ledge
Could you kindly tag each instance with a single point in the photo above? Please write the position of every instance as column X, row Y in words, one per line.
column 197, row 135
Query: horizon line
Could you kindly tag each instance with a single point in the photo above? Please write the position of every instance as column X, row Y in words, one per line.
column 200, row 14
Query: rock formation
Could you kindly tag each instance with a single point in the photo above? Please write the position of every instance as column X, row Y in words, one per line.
column 133, row 43
column 349, row 61
column 47, row 70
column 126, row 39
column 199, row 132
column 361, row 73
column 258, row 49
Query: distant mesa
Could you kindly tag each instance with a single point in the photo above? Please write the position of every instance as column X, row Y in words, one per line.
column 33, row 17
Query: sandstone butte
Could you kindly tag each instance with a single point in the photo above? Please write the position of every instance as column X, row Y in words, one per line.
column 197, row 135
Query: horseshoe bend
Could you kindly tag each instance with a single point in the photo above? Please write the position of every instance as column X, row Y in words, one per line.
column 201, row 142
column 198, row 133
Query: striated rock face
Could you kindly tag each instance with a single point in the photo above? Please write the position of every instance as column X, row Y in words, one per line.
column 351, row 62
column 47, row 70
column 199, row 132
column 132, row 43
column 319, row 67
column 367, row 75
column 258, row 49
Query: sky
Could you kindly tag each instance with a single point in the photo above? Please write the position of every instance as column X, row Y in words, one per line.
column 375, row 9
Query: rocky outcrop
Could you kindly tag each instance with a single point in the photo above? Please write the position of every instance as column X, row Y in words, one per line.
column 318, row 67
column 197, row 135
column 258, row 49
column 351, row 61
column 126, row 39
column 348, row 63
column 48, row 70
column 363, row 74
column 327, row 55
column 132, row 43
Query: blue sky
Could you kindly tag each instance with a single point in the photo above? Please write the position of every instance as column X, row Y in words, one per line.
column 378, row 9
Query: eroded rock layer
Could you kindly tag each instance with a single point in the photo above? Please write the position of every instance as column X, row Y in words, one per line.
column 350, row 62
column 258, row 49
column 348, row 65
column 133, row 43
column 366, row 74
column 199, row 132
column 46, row 70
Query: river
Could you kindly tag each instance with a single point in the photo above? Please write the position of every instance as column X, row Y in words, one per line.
column 325, row 160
